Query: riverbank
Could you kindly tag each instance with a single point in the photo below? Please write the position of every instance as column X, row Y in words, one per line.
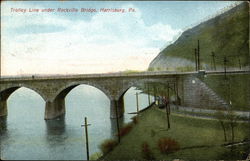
column 199, row 139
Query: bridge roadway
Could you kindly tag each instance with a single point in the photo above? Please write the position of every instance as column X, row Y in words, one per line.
column 104, row 75
column 54, row 88
column 118, row 74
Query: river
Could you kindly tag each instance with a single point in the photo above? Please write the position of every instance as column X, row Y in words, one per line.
column 27, row 136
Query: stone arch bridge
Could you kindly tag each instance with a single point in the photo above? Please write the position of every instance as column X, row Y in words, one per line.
column 53, row 89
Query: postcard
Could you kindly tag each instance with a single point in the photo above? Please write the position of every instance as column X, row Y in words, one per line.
column 124, row 80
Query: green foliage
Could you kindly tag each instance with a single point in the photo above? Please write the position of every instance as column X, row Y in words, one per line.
column 126, row 129
column 225, row 35
column 147, row 152
column 189, row 131
column 168, row 145
column 108, row 145
column 135, row 119
column 231, row 115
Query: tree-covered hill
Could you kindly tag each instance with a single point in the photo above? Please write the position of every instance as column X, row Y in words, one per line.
column 226, row 35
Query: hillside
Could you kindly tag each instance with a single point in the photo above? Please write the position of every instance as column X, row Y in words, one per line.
column 226, row 35
column 199, row 139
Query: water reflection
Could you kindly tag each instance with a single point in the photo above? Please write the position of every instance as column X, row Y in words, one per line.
column 3, row 125
column 56, row 127
column 113, row 127
column 26, row 135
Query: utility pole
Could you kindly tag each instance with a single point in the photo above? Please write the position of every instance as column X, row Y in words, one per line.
column 166, row 106
column 168, row 100
column 0, row 78
column 86, row 134
column 167, row 114
column 154, row 94
column 195, row 57
column 137, row 103
column 213, row 58
column 225, row 66
column 177, row 92
column 239, row 62
column 229, row 88
column 148, row 96
column 117, row 122
column 198, row 55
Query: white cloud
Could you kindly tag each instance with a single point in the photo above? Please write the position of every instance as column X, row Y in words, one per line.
column 109, row 42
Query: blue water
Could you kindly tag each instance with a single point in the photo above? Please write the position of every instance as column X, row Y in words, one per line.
column 26, row 135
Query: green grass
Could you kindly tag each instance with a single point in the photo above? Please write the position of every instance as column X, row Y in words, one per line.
column 188, row 131
column 235, row 89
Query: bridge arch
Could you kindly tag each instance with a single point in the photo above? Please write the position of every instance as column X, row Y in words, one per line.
column 122, row 91
column 168, row 86
column 64, row 90
column 56, row 105
column 14, row 87
column 6, row 92
column 126, row 87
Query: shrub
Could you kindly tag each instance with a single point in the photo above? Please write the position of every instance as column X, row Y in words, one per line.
column 146, row 152
column 125, row 129
column 168, row 145
column 135, row 119
column 108, row 145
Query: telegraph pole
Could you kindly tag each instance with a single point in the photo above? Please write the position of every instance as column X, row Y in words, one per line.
column 154, row 94
column 166, row 106
column 86, row 134
column 198, row 55
column 148, row 96
column 168, row 100
column 117, row 122
column 137, row 103
column 239, row 62
column 195, row 57
column 225, row 66
column 167, row 114
column 213, row 58
column 0, row 77
column 177, row 93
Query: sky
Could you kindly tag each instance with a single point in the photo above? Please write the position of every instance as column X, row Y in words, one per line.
column 93, row 42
